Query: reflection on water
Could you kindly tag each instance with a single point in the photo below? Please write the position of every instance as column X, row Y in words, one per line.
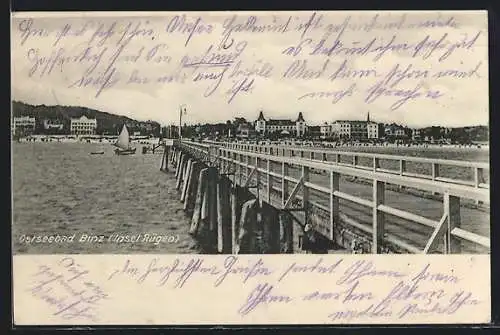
column 60, row 188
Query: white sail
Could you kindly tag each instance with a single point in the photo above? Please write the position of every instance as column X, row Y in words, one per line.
column 123, row 141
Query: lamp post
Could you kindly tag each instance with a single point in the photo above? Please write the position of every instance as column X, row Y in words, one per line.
column 182, row 109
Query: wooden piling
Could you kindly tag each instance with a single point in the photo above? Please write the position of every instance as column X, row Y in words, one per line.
column 246, row 238
column 198, row 206
column 212, row 207
column 234, row 218
column 175, row 157
column 224, row 238
column 166, row 152
column 185, row 182
column 270, row 229
column 189, row 201
column 239, row 195
column 452, row 210
column 178, row 164
column 204, row 205
column 286, row 224
column 182, row 172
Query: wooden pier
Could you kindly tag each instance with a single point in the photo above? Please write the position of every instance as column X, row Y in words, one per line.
column 272, row 199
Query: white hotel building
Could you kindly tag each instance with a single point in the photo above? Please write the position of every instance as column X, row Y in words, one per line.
column 23, row 123
column 83, row 126
column 372, row 128
column 348, row 129
column 297, row 128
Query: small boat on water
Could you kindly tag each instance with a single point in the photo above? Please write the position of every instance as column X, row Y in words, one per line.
column 97, row 153
column 123, row 143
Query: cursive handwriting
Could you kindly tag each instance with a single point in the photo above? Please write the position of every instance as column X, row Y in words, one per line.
column 339, row 289
column 361, row 269
column 318, row 267
column 262, row 294
column 372, row 59
column 67, row 291
column 336, row 96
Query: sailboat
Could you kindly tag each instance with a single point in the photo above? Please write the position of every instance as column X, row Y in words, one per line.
column 123, row 143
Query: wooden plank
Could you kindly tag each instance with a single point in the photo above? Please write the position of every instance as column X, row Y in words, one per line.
column 200, row 194
column 269, row 181
column 234, row 219
column 437, row 233
column 305, row 192
column 284, row 183
column 408, row 216
column 224, row 229
column 191, row 187
column 471, row 237
column 287, row 225
column 334, row 203
column 249, row 178
column 246, row 238
column 294, row 193
column 452, row 211
column 378, row 216
column 186, row 179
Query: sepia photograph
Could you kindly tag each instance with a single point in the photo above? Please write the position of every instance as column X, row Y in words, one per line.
column 285, row 167
column 114, row 152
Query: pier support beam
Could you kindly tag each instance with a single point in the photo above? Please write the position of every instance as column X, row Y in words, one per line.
column 181, row 169
column 166, row 152
column 235, row 214
column 246, row 238
column 270, row 229
column 378, row 216
column 334, row 203
column 478, row 180
column 185, row 181
column 286, row 224
column 284, row 183
column 200, row 195
column 452, row 210
column 209, row 211
column 224, row 231
column 164, row 160
column 178, row 164
column 190, row 197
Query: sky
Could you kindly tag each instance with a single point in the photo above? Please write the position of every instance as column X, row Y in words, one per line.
column 50, row 66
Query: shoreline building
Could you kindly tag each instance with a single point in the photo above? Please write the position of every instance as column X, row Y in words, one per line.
column 24, row 124
column 372, row 129
column 352, row 129
column 394, row 131
column 243, row 131
column 83, row 126
column 281, row 126
column 416, row 134
column 50, row 124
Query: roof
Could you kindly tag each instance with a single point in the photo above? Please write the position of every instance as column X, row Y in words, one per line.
column 280, row 122
column 261, row 117
column 300, row 118
column 243, row 126
column 23, row 117
column 83, row 117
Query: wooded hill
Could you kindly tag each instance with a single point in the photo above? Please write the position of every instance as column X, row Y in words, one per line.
column 107, row 123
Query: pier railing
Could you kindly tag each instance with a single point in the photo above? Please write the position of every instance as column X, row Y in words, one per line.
column 472, row 173
column 256, row 166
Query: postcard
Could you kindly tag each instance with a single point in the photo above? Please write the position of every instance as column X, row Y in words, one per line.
column 225, row 168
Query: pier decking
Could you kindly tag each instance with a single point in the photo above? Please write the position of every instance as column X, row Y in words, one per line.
column 358, row 201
